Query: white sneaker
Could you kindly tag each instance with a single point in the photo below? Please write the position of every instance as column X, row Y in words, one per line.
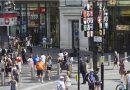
column 42, row 81
column 49, row 78
column 38, row 80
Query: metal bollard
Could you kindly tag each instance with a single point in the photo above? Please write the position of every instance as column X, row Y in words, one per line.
column 125, row 53
column 19, row 78
column 2, row 77
column 109, row 60
column 32, row 73
column 58, row 68
column 91, row 63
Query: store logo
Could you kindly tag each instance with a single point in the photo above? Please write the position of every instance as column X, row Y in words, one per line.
column 7, row 21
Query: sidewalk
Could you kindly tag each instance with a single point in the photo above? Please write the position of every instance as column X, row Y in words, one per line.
column 111, row 79
column 25, row 80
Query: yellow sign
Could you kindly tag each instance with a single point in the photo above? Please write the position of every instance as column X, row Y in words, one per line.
column 102, row 59
column 112, row 2
column 76, row 77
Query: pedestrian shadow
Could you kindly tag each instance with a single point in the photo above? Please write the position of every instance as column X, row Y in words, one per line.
column 115, row 80
column 108, row 69
column 74, row 84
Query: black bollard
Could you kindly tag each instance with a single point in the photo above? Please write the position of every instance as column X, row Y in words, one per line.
column 102, row 76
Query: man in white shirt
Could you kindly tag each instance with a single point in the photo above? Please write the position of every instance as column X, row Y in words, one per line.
column 61, row 84
column 44, row 42
column 43, row 57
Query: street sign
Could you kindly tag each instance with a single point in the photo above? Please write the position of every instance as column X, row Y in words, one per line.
column 97, row 39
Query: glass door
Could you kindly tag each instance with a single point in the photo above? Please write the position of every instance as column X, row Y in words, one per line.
column 75, row 33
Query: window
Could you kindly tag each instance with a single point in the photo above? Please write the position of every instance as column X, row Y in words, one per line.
column 73, row 2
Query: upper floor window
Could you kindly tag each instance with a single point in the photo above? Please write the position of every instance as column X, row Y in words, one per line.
column 73, row 2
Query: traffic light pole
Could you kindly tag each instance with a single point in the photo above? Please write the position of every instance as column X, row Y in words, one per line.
column 78, row 67
column 95, row 24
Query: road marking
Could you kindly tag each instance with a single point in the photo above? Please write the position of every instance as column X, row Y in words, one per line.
column 33, row 87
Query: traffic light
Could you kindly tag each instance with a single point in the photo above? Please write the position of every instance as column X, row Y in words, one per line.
column 87, row 20
column 82, row 21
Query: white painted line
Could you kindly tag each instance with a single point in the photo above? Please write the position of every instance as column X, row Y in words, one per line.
column 40, row 85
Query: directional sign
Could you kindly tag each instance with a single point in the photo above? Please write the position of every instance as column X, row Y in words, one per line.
column 97, row 39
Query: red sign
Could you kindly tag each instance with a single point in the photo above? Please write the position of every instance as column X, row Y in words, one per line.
column 42, row 10
column 7, row 21
column 8, row 15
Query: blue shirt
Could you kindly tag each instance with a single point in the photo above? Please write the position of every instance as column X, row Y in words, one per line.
column 35, row 59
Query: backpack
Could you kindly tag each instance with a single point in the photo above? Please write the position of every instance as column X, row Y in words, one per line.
column 40, row 66
column 91, row 79
column 18, row 59
column 16, row 75
column 15, row 72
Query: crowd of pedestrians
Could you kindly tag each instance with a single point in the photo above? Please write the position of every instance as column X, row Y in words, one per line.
column 13, row 57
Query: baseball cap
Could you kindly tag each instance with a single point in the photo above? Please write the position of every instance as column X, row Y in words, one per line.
column 61, row 77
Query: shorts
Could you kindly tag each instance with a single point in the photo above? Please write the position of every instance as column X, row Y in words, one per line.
column 9, row 69
column 39, row 72
column 48, row 68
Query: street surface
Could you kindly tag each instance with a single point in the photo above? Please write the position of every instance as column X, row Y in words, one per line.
column 111, row 77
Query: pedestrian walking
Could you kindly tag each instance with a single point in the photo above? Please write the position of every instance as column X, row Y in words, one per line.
column 19, row 62
column 61, row 83
column 128, row 80
column 30, row 62
column 40, row 67
column 44, row 42
column 87, row 61
column 91, row 80
column 49, row 66
column 67, row 81
column 43, row 57
column 15, row 73
column 51, row 42
column 65, row 56
column 28, row 44
column 121, row 68
column 69, row 65
column 23, row 52
column 116, row 59
column 83, row 70
column 61, row 59
column 97, row 80
column 13, row 84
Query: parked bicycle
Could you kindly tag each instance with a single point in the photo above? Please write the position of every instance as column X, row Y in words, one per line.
column 121, row 86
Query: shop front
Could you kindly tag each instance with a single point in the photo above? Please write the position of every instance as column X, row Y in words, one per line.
column 37, row 19
column 120, row 26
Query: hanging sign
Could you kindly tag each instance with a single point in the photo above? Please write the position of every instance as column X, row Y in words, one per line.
column 8, row 19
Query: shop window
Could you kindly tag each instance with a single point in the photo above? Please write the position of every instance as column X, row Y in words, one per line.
column 33, row 16
column 32, row 5
column 73, row 2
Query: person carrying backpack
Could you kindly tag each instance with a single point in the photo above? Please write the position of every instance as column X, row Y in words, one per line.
column 91, row 80
column 13, row 84
column 40, row 66
column 15, row 73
